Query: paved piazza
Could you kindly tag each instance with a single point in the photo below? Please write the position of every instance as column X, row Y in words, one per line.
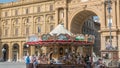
column 12, row 65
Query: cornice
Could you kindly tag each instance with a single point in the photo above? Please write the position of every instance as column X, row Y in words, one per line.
column 32, row 14
column 107, row 30
column 22, row 3
column 5, row 38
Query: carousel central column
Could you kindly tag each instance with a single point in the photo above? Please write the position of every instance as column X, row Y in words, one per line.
column 32, row 50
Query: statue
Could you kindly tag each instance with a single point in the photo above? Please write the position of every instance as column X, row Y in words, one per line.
column 108, row 46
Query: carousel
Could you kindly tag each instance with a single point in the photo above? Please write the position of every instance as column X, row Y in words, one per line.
column 60, row 44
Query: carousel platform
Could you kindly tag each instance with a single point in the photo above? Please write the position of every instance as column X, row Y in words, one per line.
column 59, row 66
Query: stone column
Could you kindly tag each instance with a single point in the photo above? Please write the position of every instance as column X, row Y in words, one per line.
column 102, row 18
column 21, row 51
column 102, row 42
column 20, row 31
column 32, row 26
column 119, row 46
column 114, row 41
column 11, row 28
column 118, row 14
column 56, row 17
column 44, row 28
column 65, row 18
column 10, row 52
column 22, row 27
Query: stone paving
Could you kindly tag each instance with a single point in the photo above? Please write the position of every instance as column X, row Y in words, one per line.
column 12, row 65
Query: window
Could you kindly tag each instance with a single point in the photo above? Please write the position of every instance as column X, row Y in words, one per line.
column 62, row 14
column 51, row 18
column 39, row 29
column 38, row 9
column 27, row 30
column 26, row 10
column 16, row 21
column 6, row 32
column 16, row 12
column 16, row 31
column 27, row 20
column 51, row 27
column 38, row 19
column 6, row 13
column 6, row 22
column 51, row 7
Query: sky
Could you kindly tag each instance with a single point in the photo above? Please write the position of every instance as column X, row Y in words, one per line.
column 5, row 1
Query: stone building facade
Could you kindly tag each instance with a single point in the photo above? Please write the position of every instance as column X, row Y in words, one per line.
column 92, row 27
column 23, row 18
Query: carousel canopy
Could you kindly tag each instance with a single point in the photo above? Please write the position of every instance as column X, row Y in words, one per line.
column 60, row 35
column 60, row 29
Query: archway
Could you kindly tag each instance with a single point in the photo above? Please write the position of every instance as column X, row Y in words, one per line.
column 15, row 54
column 25, row 49
column 5, row 52
column 84, row 22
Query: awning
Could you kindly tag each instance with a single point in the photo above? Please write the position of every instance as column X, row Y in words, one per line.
column 48, row 42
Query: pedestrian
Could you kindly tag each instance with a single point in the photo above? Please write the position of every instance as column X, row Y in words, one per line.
column 14, row 58
column 27, row 61
column 35, row 62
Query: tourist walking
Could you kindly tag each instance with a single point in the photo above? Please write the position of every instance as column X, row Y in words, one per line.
column 35, row 62
column 27, row 61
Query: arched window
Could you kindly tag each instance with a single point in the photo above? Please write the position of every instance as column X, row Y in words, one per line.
column 26, row 11
column 16, row 21
column 16, row 31
column 38, row 9
column 27, row 20
column 27, row 30
column 39, row 29
column 6, row 22
column 6, row 32
column 38, row 19
column 51, row 18
column 16, row 11
column 51, row 7
column 15, row 46
column 6, row 13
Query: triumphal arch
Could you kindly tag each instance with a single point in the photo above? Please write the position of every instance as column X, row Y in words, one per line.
column 20, row 19
column 77, row 11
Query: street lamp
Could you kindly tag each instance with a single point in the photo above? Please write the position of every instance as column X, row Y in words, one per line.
column 108, row 2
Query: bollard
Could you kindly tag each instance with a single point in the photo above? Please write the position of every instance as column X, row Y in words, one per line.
column 72, row 67
column 59, row 66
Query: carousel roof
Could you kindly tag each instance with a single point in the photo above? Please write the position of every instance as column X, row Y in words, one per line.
column 60, row 29
column 60, row 35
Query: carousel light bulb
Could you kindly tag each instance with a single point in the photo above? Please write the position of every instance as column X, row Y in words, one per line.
column 27, row 45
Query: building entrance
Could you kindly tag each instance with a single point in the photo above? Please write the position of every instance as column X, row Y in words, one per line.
column 5, row 52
